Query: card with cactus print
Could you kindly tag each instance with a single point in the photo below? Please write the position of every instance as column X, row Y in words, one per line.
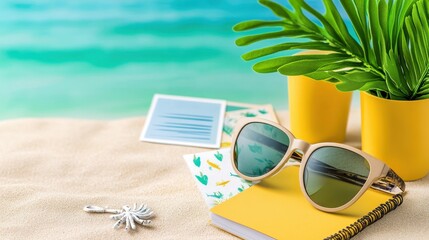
column 214, row 175
column 236, row 111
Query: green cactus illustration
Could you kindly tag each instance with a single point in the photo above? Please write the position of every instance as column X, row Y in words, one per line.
column 228, row 130
column 233, row 175
column 217, row 195
column 197, row 161
column 202, row 178
column 249, row 114
column 219, row 156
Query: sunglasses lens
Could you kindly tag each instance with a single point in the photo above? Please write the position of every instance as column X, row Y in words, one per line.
column 259, row 148
column 333, row 176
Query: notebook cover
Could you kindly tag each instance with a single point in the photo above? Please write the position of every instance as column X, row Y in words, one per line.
column 278, row 208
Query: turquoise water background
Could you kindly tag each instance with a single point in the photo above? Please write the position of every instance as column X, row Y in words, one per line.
column 106, row 58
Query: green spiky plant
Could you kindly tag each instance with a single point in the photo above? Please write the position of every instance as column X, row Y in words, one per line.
column 385, row 52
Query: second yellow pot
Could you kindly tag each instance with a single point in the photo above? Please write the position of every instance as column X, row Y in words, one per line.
column 397, row 132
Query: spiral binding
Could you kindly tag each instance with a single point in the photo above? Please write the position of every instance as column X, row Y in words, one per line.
column 373, row 216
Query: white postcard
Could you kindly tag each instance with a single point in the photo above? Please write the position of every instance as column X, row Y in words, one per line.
column 184, row 121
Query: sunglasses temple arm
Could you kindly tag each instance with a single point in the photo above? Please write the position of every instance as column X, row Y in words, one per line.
column 390, row 183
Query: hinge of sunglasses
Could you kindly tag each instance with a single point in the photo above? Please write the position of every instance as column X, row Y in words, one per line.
column 390, row 183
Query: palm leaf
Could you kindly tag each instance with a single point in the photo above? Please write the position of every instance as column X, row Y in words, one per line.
column 356, row 13
column 414, row 49
column 264, row 36
column 309, row 65
column 287, row 46
column 272, row 65
column 252, row 24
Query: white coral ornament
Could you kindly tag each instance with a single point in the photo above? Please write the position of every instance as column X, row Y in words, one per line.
column 126, row 216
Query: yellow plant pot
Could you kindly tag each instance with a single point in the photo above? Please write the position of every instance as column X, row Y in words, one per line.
column 318, row 111
column 397, row 132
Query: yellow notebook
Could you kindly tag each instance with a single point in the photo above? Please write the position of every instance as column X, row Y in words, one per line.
column 277, row 209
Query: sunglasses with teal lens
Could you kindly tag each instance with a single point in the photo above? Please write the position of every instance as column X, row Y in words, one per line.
column 332, row 176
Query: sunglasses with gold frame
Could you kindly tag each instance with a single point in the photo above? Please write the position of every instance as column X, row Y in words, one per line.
column 381, row 177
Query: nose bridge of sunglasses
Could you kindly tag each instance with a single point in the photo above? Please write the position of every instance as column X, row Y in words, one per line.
column 301, row 145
